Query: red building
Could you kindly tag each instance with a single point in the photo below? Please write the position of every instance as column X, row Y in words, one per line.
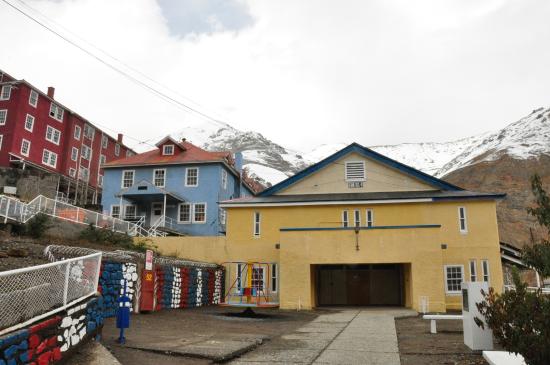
column 39, row 133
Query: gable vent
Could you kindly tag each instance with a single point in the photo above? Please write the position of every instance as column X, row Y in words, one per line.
column 355, row 171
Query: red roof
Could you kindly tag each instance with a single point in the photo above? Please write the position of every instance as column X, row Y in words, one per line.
column 189, row 154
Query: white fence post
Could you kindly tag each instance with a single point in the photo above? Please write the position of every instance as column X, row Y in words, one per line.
column 96, row 219
column 77, row 212
column 7, row 211
column 54, row 206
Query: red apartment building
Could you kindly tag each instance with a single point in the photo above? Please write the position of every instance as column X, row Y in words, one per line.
column 39, row 133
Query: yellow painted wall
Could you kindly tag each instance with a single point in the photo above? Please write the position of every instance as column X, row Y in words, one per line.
column 419, row 247
column 330, row 179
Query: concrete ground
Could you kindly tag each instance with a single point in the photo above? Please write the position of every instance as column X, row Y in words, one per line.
column 92, row 353
column 346, row 336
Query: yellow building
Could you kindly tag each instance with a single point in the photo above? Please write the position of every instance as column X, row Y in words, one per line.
column 359, row 229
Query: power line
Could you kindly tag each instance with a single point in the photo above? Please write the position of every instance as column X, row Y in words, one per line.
column 133, row 79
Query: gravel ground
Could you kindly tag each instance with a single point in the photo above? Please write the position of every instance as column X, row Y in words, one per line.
column 417, row 346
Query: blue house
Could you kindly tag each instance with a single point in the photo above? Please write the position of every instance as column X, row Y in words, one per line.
column 174, row 188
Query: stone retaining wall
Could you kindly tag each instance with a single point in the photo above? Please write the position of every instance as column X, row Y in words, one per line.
column 52, row 339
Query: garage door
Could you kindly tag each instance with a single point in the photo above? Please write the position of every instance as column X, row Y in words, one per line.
column 359, row 285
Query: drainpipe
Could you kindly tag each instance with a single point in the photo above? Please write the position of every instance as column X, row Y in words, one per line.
column 164, row 210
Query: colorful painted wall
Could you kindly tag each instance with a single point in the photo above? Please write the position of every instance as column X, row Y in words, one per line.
column 52, row 339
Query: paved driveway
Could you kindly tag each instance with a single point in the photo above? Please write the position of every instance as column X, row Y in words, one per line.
column 349, row 336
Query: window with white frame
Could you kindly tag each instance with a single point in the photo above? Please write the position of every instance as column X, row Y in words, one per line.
column 257, row 224
column 102, row 160
column 89, row 132
column 274, row 278
column 56, row 112
column 104, row 141
column 130, row 212
column 77, row 132
column 462, row 223
column 370, row 217
column 5, row 93
column 258, row 276
column 115, row 211
column 223, row 216
column 345, row 218
column 86, row 152
column 454, row 276
column 33, row 98
column 29, row 122
column 224, row 179
column 53, row 135
column 49, row 158
column 127, row 178
column 192, row 176
column 355, row 171
column 117, row 149
column 473, row 270
column 1, row 140
column 357, row 217
column 84, row 173
column 72, row 172
column 199, row 213
column 25, row 147
column 168, row 149
column 184, row 214
column 159, row 177
column 74, row 154
column 485, row 270
column 100, row 180
column 129, row 153
column 3, row 116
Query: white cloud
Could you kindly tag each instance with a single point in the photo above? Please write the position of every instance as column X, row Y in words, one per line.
column 303, row 73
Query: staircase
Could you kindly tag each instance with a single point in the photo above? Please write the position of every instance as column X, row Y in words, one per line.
column 15, row 211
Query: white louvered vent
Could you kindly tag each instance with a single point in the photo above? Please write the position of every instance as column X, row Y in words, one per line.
column 355, row 171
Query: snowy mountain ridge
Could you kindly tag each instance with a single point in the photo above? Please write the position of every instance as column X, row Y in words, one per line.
column 270, row 162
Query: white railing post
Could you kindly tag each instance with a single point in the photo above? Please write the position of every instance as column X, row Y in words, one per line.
column 39, row 202
column 96, row 219
column 77, row 212
column 54, row 206
column 66, row 287
column 7, row 211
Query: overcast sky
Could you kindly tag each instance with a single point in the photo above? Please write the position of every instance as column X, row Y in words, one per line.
column 302, row 73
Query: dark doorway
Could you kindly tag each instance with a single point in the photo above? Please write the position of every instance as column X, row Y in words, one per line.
column 359, row 285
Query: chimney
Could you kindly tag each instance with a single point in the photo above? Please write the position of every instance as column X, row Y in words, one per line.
column 119, row 138
column 183, row 140
column 51, row 91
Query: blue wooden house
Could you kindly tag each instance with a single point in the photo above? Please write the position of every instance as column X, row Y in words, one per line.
column 174, row 188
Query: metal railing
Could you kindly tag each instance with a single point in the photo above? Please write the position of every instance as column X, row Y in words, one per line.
column 544, row 290
column 13, row 209
column 32, row 293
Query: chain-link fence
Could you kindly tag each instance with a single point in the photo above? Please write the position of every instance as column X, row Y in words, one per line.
column 32, row 293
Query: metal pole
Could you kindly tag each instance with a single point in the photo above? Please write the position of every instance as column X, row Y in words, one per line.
column 96, row 219
column 54, row 206
column 164, row 210
column 66, row 288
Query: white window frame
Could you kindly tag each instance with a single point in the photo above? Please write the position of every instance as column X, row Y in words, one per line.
column 163, row 178
column 102, row 160
column 224, row 179
column 53, row 132
column 261, row 278
column 74, row 154
column 357, row 218
column 123, row 179
column 86, row 152
column 1, row 140
column 104, row 141
column 453, row 292
column 49, row 154
column 54, row 108
column 100, row 180
column 115, row 206
column 187, row 177
column 8, row 92
column 78, row 135
column 5, row 118
column 223, row 216
column 274, row 270
column 190, row 213
column 364, row 178
column 28, row 148
column 30, row 118
column 89, row 132
column 126, row 210
column 485, row 271
column 345, row 218
column 195, row 212
column 369, row 217
column 72, row 172
column 84, row 173
column 461, row 217
column 35, row 94
column 164, row 149
column 472, row 265
column 257, row 224
column 117, row 149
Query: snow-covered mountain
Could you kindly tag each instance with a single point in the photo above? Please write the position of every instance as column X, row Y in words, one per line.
column 271, row 162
